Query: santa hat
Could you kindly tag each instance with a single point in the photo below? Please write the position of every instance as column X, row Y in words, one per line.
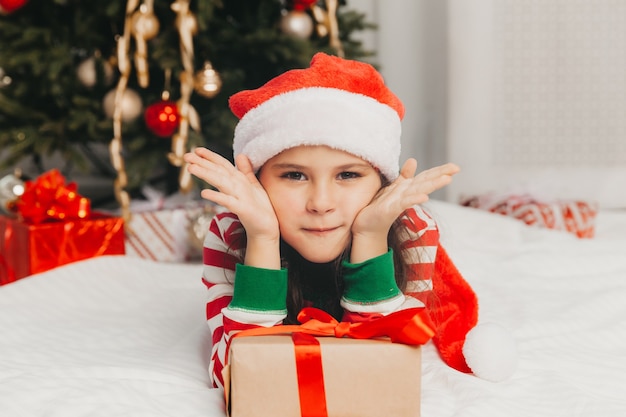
column 487, row 349
column 335, row 102
column 346, row 105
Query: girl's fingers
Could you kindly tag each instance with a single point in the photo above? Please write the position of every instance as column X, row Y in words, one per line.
column 446, row 169
column 412, row 190
column 210, row 167
column 429, row 185
column 206, row 159
column 409, row 168
column 219, row 198
column 245, row 167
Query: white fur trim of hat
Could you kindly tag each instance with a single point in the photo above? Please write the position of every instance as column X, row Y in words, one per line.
column 313, row 116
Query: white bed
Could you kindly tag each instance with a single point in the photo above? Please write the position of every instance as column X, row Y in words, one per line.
column 120, row 336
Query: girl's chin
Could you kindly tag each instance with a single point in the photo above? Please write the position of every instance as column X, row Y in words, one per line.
column 322, row 256
column 321, row 260
column 319, row 251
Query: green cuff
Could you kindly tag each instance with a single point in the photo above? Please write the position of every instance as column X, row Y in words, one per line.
column 260, row 289
column 370, row 281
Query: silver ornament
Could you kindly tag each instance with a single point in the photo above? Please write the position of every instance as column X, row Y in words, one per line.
column 87, row 74
column 11, row 188
column 297, row 23
column 198, row 227
column 131, row 104
column 5, row 80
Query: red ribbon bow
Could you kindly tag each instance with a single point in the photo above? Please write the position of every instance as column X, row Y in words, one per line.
column 49, row 198
column 411, row 327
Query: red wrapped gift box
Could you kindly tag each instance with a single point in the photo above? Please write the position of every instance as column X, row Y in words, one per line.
column 54, row 225
column 27, row 248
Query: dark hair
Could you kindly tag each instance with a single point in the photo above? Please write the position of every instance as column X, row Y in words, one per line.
column 306, row 278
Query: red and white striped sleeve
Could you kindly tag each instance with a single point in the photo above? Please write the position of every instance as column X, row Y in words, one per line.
column 223, row 248
column 420, row 248
column 220, row 256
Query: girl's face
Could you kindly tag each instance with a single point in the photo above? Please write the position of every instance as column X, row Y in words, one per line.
column 317, row 192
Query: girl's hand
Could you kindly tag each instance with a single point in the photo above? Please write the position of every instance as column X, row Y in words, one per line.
column 372, row 224
column 237, row 189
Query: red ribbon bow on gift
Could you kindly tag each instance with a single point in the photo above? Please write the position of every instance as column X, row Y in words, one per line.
column 411, row 327
column 49, row 198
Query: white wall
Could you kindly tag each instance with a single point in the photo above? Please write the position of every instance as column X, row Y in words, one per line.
column 537, row 98
column 525, row 95
column 411, row 45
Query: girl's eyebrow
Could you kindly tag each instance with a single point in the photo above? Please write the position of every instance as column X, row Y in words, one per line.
column 288, row 166
column 345, row 167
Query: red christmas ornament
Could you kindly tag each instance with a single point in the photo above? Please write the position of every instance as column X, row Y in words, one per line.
column 162, row 118
column 302, row 5
column 9, row 6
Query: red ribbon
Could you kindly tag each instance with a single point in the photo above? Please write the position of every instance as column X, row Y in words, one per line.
column 310, row 375
column 410, row 327
column 7, row 272
column 49, row 198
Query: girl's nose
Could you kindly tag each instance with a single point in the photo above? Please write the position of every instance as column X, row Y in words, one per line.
column 321, row 199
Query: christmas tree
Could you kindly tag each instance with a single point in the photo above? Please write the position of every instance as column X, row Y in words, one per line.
column 60, row 75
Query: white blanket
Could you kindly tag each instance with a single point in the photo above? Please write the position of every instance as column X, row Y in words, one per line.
column 120, row 336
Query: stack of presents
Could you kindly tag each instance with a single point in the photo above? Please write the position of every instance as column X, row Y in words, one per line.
column 50, row 224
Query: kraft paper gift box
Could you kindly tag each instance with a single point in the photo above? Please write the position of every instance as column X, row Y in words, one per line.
column 362, row 378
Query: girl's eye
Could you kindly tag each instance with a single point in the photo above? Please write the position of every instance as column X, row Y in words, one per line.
column 348, row 175
column 293, row 175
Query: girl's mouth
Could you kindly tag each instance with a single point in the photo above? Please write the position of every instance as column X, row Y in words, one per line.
column 320, row 231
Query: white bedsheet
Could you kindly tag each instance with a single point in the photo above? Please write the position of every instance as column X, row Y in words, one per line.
column 120, row 336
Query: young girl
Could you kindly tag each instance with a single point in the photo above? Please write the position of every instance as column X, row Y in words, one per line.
column 319, row 212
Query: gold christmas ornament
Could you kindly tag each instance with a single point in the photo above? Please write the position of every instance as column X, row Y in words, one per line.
column 296, row 23
column 130, row 104
column 207, row 82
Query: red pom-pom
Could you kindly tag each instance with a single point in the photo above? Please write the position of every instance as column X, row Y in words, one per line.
column 9, row 6
column 162, row 118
